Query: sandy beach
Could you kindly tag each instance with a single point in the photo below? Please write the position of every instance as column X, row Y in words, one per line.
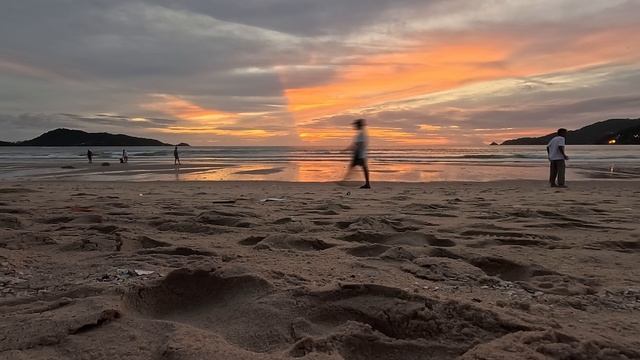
column 273, row 270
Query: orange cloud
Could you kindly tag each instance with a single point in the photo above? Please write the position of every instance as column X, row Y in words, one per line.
column 386, row 135
column 186, row 110
column 450, row 63
column 200, row 120
column 396, row 76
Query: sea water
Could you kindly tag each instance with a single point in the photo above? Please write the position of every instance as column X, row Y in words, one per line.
column 317, row 164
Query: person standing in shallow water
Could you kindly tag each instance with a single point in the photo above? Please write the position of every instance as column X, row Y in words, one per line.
column 557, row 158
column 359, row 148
column 176, row 156
column 90, row 156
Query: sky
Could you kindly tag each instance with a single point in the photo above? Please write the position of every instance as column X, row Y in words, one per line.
column 298, row 72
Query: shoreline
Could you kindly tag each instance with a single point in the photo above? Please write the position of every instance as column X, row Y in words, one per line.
column 307, row 172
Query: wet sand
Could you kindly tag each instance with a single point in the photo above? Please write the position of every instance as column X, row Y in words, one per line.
column 268, row 270
column 303, row 171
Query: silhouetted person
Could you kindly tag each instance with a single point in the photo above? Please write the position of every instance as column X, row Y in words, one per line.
column 90, row 156
column 125, row 157
column 176, row 156
column 359, row 148
column 557, row 158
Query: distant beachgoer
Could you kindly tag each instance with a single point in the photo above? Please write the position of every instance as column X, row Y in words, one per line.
column 359, row 148
column 90, row 156
column 125, row 156
column 557, row 158
column 176, row 156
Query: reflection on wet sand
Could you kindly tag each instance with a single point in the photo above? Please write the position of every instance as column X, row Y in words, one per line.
column 308, row 171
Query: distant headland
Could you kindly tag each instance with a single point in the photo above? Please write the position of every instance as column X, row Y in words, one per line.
column 612, row 132
column 67, row 137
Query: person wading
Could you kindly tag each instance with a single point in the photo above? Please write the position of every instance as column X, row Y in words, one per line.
column 176, row 156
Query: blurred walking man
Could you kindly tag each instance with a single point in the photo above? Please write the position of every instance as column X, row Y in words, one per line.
column 359, row 148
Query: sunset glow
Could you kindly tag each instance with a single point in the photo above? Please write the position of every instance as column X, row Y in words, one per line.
column 440, row 73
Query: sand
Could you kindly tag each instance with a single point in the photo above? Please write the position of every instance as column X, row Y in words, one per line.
column 260, row 270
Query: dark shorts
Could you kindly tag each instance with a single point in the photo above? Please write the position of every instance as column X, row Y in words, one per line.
column 358, row 161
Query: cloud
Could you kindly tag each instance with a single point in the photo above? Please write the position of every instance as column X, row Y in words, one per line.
column 291, row 71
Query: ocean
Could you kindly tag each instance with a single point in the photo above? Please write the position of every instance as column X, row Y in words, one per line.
column 314, row 164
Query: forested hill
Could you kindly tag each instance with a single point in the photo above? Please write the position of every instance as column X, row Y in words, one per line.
column 66, row 137
column 619, row 131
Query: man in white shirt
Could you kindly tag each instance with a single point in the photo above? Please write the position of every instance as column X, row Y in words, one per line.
column 557, row 157
column 359, row 148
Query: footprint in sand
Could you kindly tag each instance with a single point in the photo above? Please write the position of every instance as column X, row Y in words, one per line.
column 534, row 277
column 408, row 238
column 10, row 222
column 287, row 242
column 356, row 321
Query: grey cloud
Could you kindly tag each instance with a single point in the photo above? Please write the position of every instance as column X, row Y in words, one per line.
column 302, row 17
column 26, row 126
column 109, row 55
column 569, row 114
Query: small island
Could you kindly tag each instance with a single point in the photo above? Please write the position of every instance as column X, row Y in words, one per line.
column 68, row 137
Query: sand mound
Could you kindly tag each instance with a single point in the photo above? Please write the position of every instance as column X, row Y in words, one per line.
column 87, row 219
column 17, row 190
column 441, row 269
column 63, row 318
column 184, row 290
column 10, row 222
column 503, row 268
column 444, row 253
column 374, row 223
column 14, row 211
column 433, row 210
column 628, row 246
column 294, row 242
column 409, row 238
column 251, row 240
column 551, row 345
column 24, row 240
column 224, row 303
column 147, row 242
column 190, row 227
column 223, row 218
column 367, row 250
column 356, row 321
column 176, row 251
column 378, row 322
column 93, row 242
column 534, row 277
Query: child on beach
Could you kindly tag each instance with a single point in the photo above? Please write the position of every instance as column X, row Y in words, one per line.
column 125, row 157
column 176, row 156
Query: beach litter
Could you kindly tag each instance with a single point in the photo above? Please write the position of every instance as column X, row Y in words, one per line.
column 125, row 274
column 143, row 272
column 273, row 200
